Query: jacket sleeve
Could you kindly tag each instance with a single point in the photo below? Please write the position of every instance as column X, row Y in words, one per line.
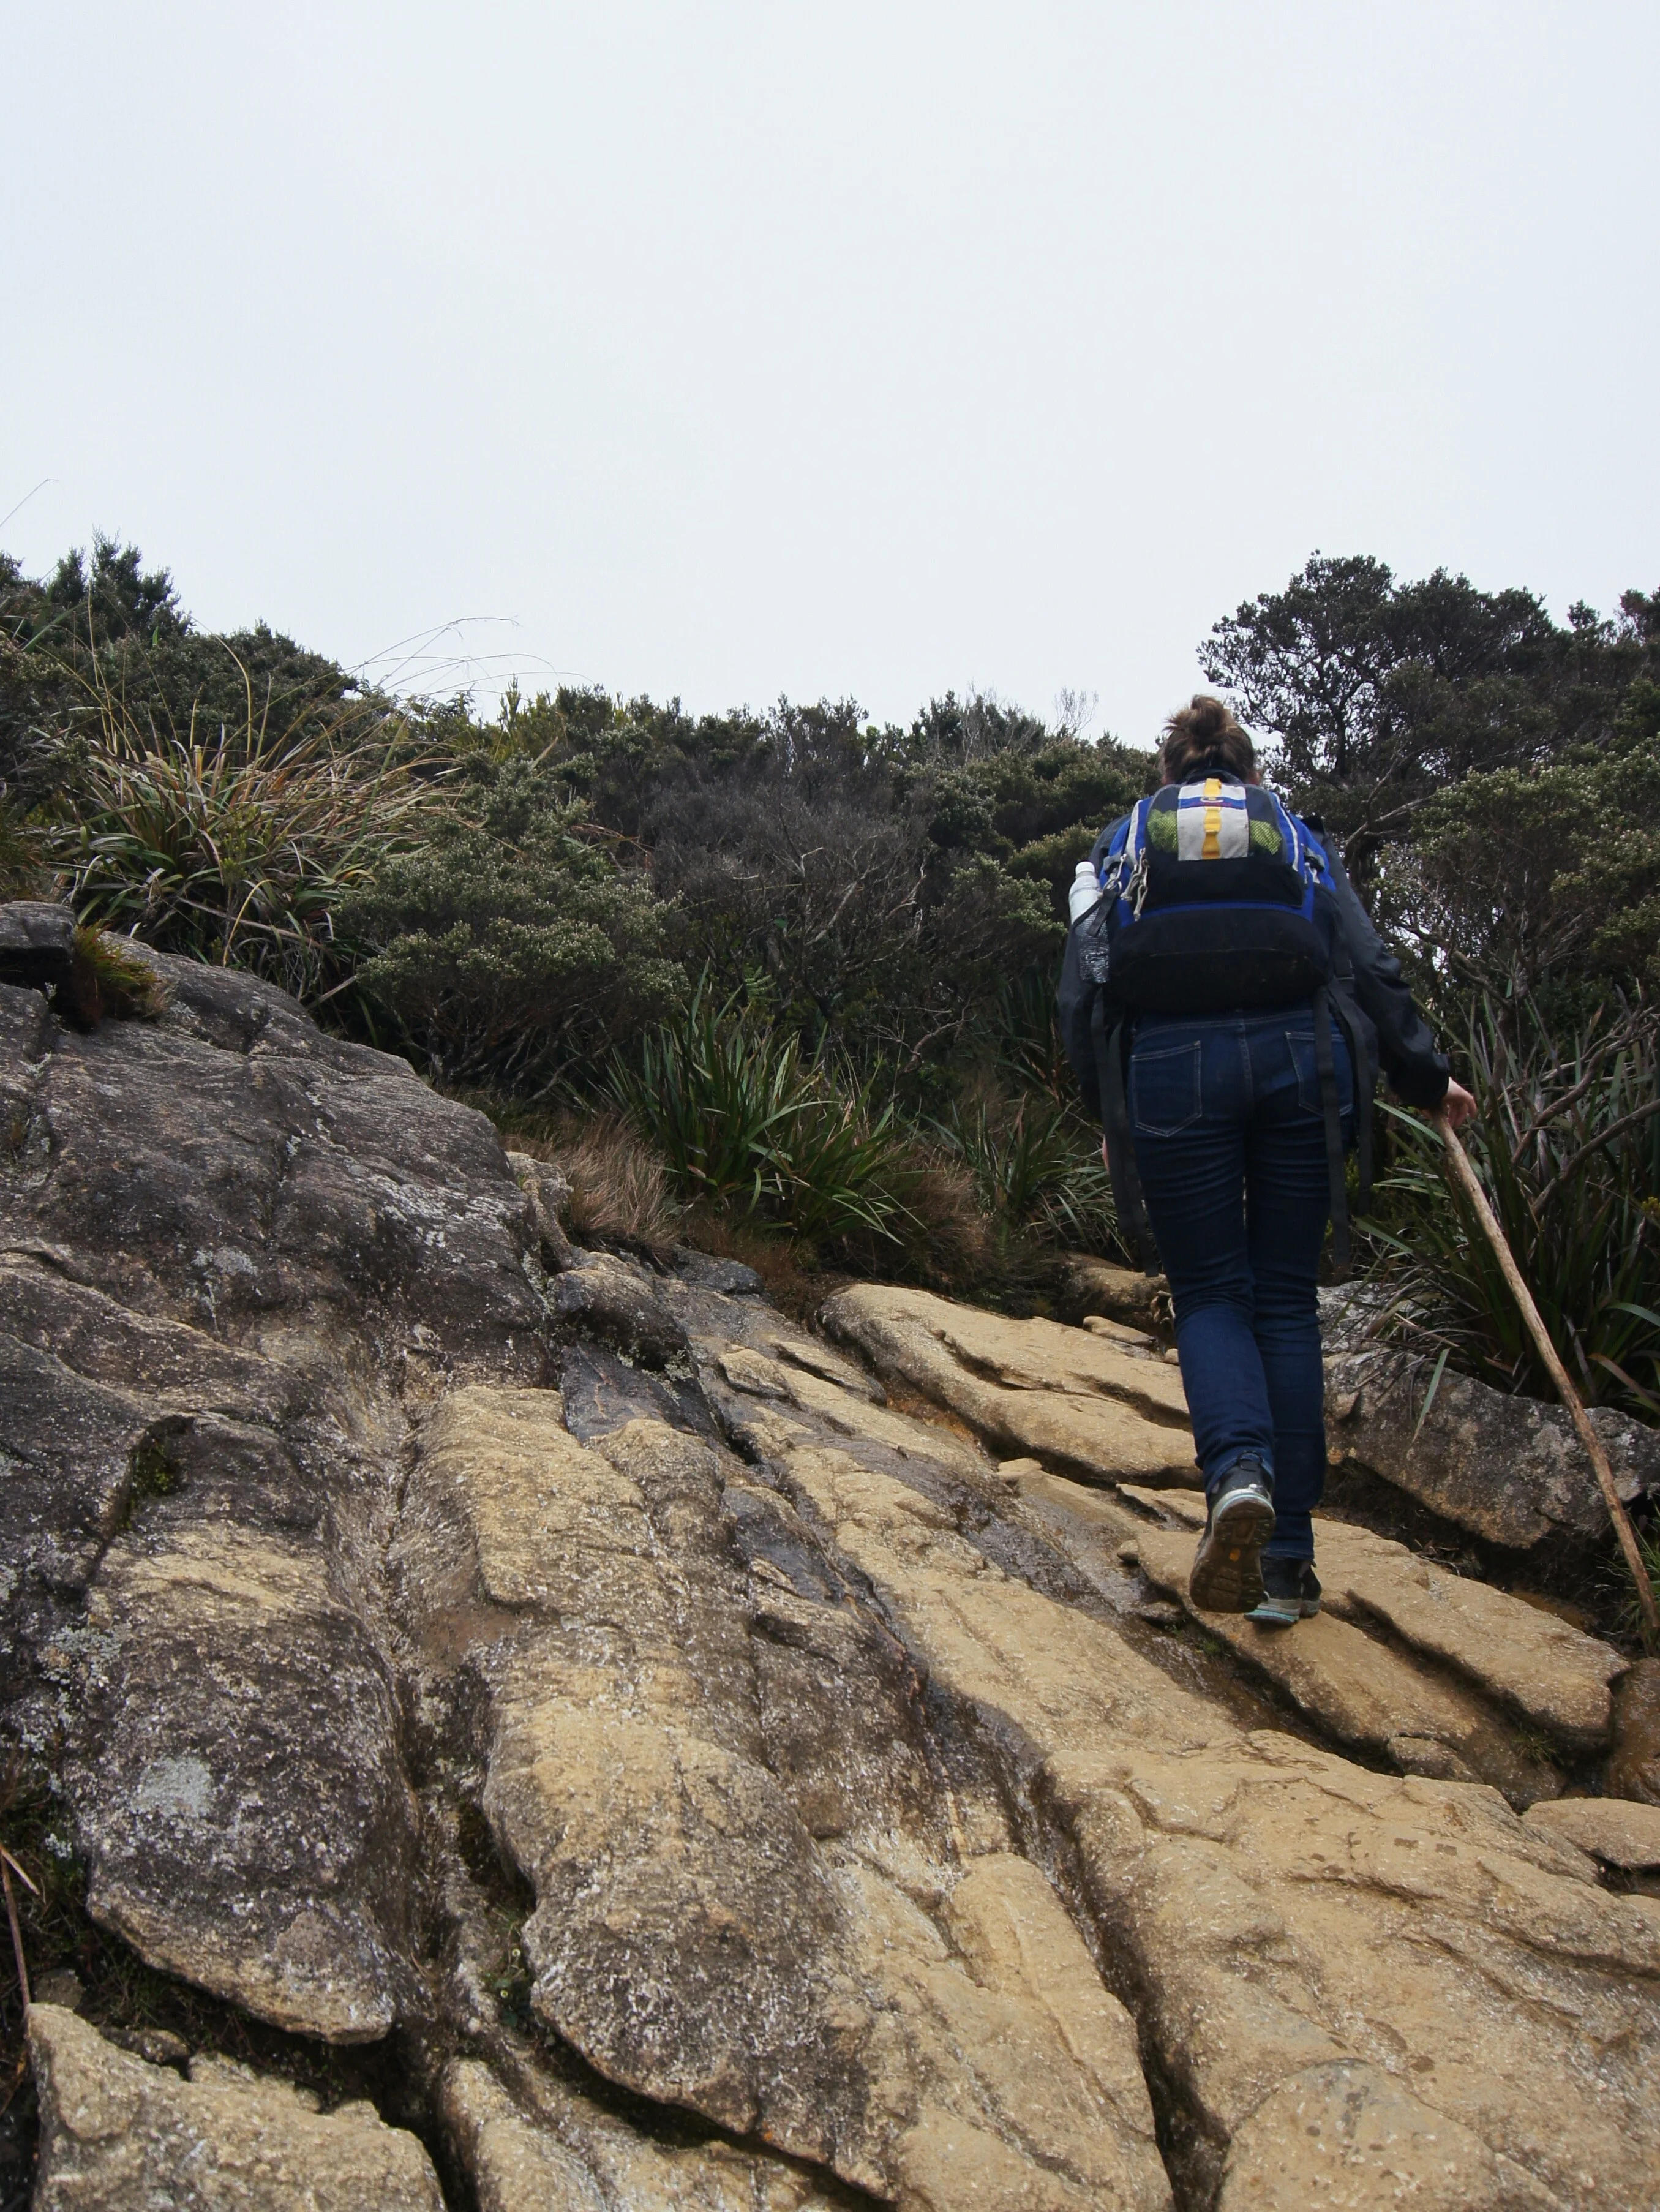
column 1418, row 1072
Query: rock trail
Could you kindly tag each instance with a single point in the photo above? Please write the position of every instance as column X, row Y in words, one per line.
column 720, row 1787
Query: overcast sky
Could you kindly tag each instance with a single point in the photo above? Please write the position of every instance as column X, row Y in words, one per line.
column 733, row 350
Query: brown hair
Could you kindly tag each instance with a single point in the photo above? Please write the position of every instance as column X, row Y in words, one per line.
column 1204, row 739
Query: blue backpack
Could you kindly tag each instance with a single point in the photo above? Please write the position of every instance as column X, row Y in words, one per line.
column 1215, row 900
column 1211, row 902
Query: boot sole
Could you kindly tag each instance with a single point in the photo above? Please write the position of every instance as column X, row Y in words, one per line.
column 1227, row 1571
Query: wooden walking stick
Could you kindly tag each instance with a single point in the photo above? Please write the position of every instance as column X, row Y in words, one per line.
column 1470, row 1184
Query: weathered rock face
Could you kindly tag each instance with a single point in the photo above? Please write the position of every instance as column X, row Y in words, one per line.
column 719, row 1785
column 1492, row 1660
column 37, row 943
column 1633, row 1767
column 1090, row 1285
column 229, row 1243
column 1509, row 1469
column 1097, row 1409
column 124, row 2136
column 1618, row 1833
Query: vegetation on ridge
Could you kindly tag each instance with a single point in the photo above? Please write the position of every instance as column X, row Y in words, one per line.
column 792, row 972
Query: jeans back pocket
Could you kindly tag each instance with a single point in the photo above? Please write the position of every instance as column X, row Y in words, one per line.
column 1166, row 1091
column 1300, row 1045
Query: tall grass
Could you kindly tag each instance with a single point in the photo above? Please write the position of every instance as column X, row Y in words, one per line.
column 220, row 852
column 1037, row 1170
column 1568, row 1148
column 751, row 1128
column 225, row 841
column 619, row 1186
column 1025, row 1037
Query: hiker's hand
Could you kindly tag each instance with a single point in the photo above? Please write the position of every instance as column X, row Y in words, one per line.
column 1458, row 1106
column 1106, row 1157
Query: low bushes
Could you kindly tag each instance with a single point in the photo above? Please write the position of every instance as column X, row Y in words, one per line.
column 517, row 907
column 511, row 944
column 754, row 1133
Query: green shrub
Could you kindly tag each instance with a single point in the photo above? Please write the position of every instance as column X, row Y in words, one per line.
column 22, row 856
column 1568, row 1148
column 512, row 943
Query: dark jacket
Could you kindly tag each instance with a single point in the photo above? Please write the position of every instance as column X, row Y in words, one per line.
column 1368, row 973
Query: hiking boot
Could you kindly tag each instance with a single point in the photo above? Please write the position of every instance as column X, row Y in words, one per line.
column 1227, row 1575
column 1291, row 1591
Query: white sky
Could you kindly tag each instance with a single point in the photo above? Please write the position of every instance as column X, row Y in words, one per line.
column 732, row 349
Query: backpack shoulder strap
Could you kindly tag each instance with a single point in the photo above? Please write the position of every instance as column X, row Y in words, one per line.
column 1331, row 1115
column 1344, row 1012
column 1307, row 844
column 1108, row 846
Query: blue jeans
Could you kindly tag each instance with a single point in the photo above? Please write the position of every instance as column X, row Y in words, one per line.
column 1231, row 1143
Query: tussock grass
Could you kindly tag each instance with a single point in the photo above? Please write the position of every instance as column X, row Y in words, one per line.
column 747, row 1126
column 619, row 1186
column 1036, row 1169
column 235, row 848
column 110, row 981
column 1568, row 1148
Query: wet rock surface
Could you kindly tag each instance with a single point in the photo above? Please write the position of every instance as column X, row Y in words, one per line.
column 723, row 1767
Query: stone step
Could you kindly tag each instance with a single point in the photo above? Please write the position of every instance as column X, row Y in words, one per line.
column 1063, row 1395
column 1550, row 1673
column 1360, row 1692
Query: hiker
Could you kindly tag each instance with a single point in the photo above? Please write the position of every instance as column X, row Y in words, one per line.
column 1222, row 991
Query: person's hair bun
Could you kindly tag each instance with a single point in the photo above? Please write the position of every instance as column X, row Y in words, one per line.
column 1202, row 739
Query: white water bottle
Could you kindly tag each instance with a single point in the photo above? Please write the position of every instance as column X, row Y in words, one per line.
column 1085, row 891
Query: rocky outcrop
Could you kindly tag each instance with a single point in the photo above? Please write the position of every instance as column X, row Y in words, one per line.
column 1633, row 1767
column 1544, row 1671
column 1619, row 1834
column 37, row 944
column 120, row 2135
column 231, row 1247
column 1361, row 1692
column 1090, row 1285
column 1511, row 1470
column 684, row 1763
column 1267, row 1901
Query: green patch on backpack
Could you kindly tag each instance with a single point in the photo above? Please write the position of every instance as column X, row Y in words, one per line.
column 1162, row 833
